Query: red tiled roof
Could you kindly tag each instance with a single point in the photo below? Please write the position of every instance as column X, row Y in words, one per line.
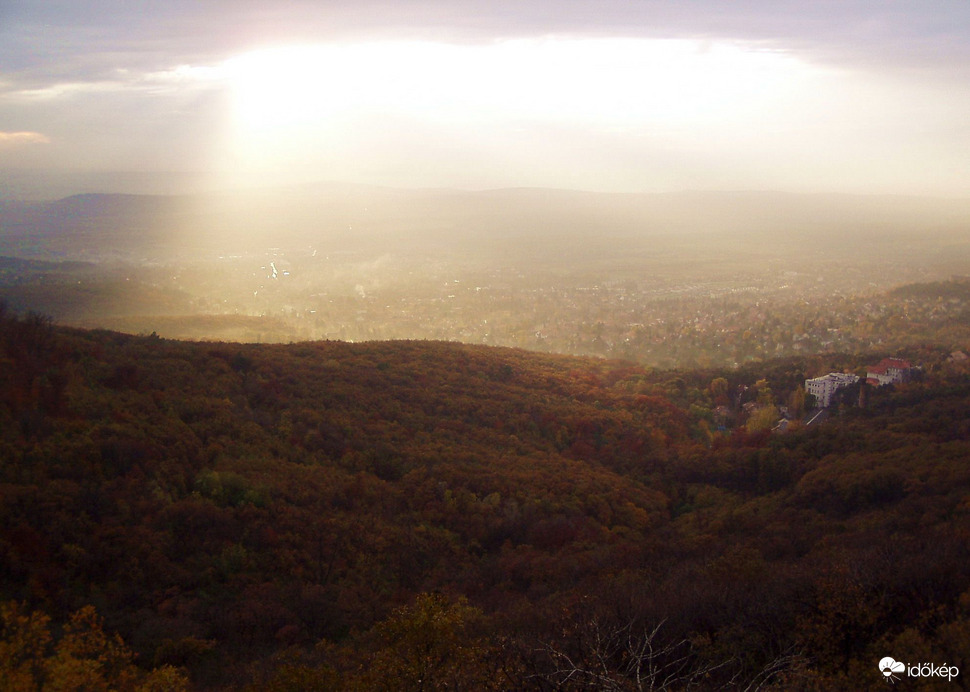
column 886, row 363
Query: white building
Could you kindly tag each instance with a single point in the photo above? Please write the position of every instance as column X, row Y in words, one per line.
column 824, row 388
column 889, row 371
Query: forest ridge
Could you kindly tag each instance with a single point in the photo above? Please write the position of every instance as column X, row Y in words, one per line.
column 326, row 515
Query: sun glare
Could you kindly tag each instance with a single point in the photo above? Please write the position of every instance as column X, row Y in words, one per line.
column 292, row 99
column 611, row 79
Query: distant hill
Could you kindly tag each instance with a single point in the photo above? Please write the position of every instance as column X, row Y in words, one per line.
column 363, row 516
column 540, row 222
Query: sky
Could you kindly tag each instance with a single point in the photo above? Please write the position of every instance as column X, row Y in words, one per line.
column 605, row 95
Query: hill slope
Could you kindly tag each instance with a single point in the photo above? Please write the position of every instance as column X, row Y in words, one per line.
column 361, row 515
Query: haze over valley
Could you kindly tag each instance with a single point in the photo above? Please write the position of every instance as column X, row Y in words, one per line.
column 459, row 345
column 573, row 179
column 663, row 279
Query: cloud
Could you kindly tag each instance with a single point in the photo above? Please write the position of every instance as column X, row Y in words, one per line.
column 878, row 100
column 63, row 40
column 13, row 139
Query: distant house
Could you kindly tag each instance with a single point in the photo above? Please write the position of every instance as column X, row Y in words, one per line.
column 824, row 388
column 889, row 371
column 750, row 407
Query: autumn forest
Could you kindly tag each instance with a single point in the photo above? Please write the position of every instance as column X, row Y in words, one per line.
column 432, row 515
column 473, row 346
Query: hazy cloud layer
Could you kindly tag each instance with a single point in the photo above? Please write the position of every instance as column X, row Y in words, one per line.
column 12, row 139
column 118, row 85
column 102, row 33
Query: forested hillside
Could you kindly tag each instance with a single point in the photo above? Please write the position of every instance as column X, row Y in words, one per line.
column 430, row 515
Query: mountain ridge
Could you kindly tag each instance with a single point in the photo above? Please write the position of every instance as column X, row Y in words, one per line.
column 350, row 215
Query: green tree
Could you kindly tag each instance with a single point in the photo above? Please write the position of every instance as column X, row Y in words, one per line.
column 762, row 419
column 431, row 645
column 719, row 389
column 796, row 402
column 84, row 658
column 24, row 642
